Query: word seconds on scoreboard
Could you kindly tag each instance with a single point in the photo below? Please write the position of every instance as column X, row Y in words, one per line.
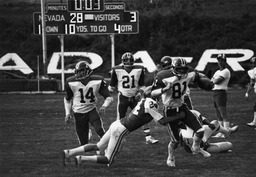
column 86, row 5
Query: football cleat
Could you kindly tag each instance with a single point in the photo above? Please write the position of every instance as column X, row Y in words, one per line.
column 66, row 158
column 252, row 124
column 170, row 162
column 151, row 140
column 231, row 130
column 201, row 152
column 219, row 135
column 78, row 161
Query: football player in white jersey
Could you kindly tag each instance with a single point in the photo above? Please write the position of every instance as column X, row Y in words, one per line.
column 221, row 79
column 145, row 111
column 81, row 100
column 210, row 128
column 129, row 80
column 166, row 64
column 173, row 100
column 251, row 85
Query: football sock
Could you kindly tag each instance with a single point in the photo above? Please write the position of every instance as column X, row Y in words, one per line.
column 226, row 124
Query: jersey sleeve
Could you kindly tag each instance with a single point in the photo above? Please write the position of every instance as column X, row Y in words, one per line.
column 158, row 82
column 142, row 78
column 113, row 80
column 151, row 108
column 69, row 93
column 104, row 89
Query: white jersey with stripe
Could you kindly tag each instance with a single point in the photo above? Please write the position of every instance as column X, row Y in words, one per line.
column 174, row 97
column 225, row 73
column 127, row 81
column 83, row 92
column 252, row 75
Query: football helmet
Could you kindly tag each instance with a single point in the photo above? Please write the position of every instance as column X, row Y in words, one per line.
column 253, row 62
column 222, row 57
column 166, row 62
column 127, row 59
column 180, row 67
column 82, row 70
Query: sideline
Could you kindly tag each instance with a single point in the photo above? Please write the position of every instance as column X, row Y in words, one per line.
column 31, row 92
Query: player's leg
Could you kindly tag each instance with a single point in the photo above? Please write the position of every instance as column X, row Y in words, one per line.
column 173, row 130
column 101, row 145
column 188, row 101
column 191, row 121
column 96, row 122
column 253, row 123
column 82, row 127
column 220, row 147
column 122, row 106
column 217, row 113
column 118, row 132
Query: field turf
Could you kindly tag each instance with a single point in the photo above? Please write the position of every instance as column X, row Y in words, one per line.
column 33, row 135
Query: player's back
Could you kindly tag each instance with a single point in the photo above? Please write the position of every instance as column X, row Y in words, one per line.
column 139, row 115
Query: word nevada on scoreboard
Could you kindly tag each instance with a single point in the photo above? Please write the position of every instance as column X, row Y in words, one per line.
column 87, row 17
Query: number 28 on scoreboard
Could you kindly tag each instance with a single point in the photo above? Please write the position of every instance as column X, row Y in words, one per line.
column 86, row 5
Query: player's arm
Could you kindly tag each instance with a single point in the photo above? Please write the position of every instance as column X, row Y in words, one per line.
column 68, row 103
column 113, row 81
column 166, row 120
column 250, row 87
column 159, row 91
column 107, row 95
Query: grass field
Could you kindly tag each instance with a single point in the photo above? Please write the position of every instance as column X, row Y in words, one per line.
column 33, row 135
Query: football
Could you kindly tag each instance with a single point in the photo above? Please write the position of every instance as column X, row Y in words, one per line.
column 204, row 83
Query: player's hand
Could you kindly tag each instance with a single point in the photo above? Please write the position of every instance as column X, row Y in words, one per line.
column 246, row 96
column 102, row 110
column 167, row 87
column 212, row 126
column 137, row 96
column 68, row 118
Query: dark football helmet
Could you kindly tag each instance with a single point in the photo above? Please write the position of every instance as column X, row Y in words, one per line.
column 222, row 57
column 253, row 62
column 82, row 70
column 127, row 59
column 180, row 67
column 166, row 62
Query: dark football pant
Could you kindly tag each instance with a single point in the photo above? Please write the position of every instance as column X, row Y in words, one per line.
column 82, row 121
column 173, row 127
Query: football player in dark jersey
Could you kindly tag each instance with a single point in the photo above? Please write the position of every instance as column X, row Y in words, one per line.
column 81, row 100
column 173, row 100
column 129, row 81
column 145, row 111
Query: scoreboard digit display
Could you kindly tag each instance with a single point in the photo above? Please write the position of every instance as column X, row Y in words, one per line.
column 86, row 5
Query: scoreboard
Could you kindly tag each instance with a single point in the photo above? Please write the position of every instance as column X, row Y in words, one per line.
column 87, row 17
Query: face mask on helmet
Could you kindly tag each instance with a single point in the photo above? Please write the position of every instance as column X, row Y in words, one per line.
column 253, row 62
column 166, row 62
column 222, row 57
column 180, row 67
column 82, row 70
column 127, row 59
